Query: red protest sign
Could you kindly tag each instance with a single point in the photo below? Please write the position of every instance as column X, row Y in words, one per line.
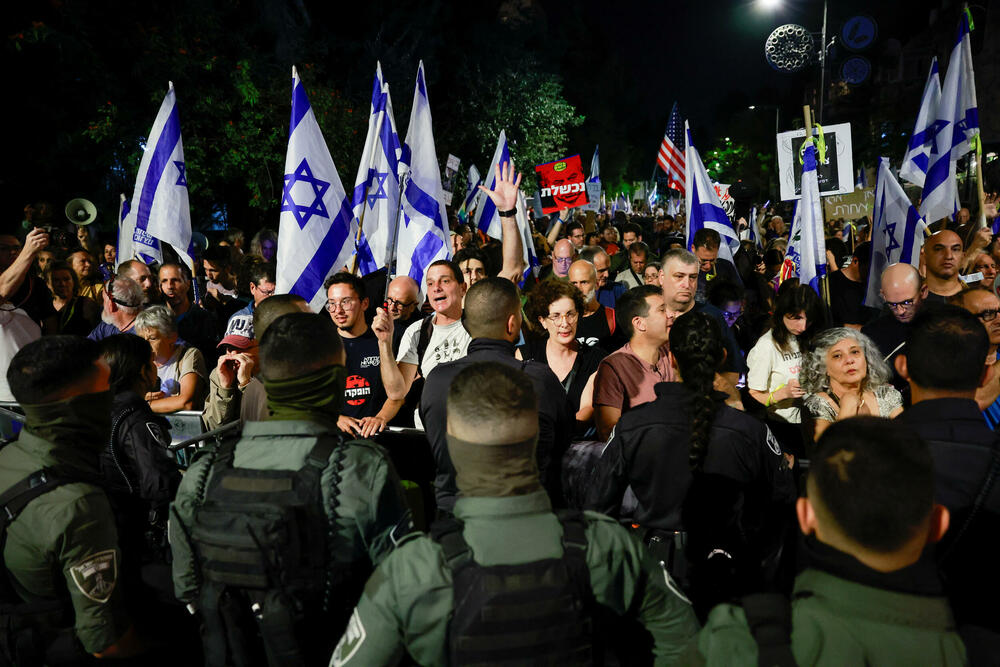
column 562, row 184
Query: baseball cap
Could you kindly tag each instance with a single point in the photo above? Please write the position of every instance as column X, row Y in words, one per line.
column 239, row 332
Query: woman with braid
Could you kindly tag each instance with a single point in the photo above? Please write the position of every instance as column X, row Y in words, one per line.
column 706, row 476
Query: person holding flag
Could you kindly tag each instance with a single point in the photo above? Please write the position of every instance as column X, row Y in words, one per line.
column 806, row 254
column 317, row 229
column 704, row 208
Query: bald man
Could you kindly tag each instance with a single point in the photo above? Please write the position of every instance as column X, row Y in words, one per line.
column 403, row 298
column 597, row 324
column 903, row 292
column 943, row 257
column 562, row 256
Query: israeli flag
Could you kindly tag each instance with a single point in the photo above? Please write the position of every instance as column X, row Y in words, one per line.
column 376, row 188
column 673, row 206
column 595, row 166
column 914, row 167
column 471, row 194
column 531, row 261
column 652, row 197
column 424, row 236
column 703, row 205
column 487, row 218
column 897, row 231
column 806, row 255
column 317, row 228
column 124, row 234
column 957, row 123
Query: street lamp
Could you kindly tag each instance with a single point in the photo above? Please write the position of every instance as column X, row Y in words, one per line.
column 823, row 48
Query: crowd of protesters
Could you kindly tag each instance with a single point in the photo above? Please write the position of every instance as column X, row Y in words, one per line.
column 764, row 471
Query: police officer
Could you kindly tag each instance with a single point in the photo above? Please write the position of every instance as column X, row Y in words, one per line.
column 426, row 597
column 871, row 593
column 61, row 546
column 706, row 475
column 281, row 530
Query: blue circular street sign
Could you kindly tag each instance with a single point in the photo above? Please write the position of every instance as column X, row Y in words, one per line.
column 855, row 70
column 859, row 32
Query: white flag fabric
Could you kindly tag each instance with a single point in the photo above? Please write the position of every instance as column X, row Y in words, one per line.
column 652, row 197
column 957, row 123
column 595, row 166
column 531, row 261
column 375, row 200
column 317, row 228
column 703, row 205
column 806, row 255
column 471, row 193
column 125, row 249
column 423, row 234
column 897, row 231
column 487, row 218
column 914, row 167
column 159, row 209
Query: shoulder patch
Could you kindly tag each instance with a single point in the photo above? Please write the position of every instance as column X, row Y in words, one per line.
column 772, row 442
column 96, row 576
column 354, row 637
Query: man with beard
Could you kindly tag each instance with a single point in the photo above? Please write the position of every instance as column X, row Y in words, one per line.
column 985, row 305
column 608, row 291
column 903, row 292
column 943, row 256
column 139, row 272
column 195, row 325
column 122, row 301
column 597, row 325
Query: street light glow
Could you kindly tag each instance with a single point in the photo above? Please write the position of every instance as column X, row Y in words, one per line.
column 768, row 4
column 752, row 107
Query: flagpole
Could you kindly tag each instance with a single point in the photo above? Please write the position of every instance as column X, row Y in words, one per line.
column 390, row 265
column 979, row 181
column 807, row 113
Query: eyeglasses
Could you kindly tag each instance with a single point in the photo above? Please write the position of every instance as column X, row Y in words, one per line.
column 988, row 315
column 729, row 316
column 569, row 317
column 347, row 303
column 266, row 292
column 900, row 305
column 563, row 260
column 396, row 302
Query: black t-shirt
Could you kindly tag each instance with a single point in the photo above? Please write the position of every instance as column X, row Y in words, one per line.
column 847, row 300
column 34, row 298
column 364, row 395
column 596, row 330
column 889, row 334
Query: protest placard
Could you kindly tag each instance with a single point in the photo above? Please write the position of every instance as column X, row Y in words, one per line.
column 851, row 206
column 562, row 184
column 835, row 173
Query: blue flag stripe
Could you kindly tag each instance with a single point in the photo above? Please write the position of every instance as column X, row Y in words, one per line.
column 161, row 156
column 311, row 279
column 300, row 106
column 424, row 204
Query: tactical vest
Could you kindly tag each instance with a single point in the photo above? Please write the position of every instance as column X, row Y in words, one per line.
column 28, row 629
column 538, row 613
column 265, row 548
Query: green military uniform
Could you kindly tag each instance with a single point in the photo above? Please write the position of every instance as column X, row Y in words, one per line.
column 408, row 600
column 65, row 540
column 840, row 622
column 369, row 503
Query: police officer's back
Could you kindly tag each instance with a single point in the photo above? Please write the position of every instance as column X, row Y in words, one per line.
column 61, row 550
column 507, row 581
column 871, row 593
column 275, row 534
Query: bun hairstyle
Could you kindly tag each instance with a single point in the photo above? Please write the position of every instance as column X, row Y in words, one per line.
column 696, row 343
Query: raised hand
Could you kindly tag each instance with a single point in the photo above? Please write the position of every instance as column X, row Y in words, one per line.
column 504, row 197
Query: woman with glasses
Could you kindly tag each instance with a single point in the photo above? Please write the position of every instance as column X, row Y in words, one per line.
column 774, row 362
column 183, row 376
column 556, row 307
column 77, row 315
column 844, row 376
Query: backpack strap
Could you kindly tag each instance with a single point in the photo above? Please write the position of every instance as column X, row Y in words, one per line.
column 448, row 533
column 769, row 616
column 574, row 537
column 609, row 314
column 424, row 339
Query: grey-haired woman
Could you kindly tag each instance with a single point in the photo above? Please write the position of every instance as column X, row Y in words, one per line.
column 845, row 376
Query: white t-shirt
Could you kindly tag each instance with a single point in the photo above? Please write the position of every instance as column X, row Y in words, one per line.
column 770, row 368
column 447, row 343
column 16, row 331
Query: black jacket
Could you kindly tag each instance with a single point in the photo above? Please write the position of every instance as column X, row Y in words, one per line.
column 961, row 445
column 136, row 462
column 649, row 451
column 555, row 424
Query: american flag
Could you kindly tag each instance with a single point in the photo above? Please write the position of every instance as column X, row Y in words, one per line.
column 671, row 156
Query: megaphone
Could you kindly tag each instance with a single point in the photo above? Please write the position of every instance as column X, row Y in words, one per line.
column 81, row 211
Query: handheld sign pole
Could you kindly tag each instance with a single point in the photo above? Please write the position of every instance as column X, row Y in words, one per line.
column 390, row 264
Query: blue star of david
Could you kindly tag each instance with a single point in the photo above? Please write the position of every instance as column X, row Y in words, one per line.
column 302, row 213
column 181, row 178
column 380, row 193
column 890, row 231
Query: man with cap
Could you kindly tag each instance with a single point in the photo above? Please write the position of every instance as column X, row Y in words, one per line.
column 235, row 391
column 555, row 575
